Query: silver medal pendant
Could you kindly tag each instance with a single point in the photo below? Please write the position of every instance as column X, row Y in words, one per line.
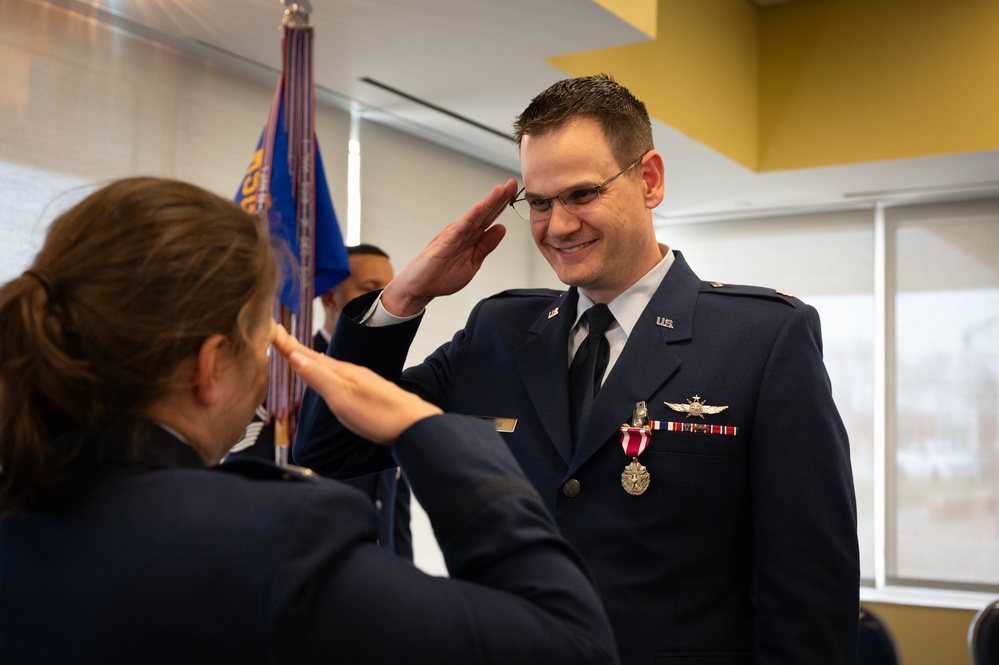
column 635, row 478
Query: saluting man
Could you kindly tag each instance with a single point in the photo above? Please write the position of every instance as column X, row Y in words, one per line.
column 682, row 432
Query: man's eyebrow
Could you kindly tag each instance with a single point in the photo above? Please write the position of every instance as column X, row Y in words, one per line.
column 531, row 195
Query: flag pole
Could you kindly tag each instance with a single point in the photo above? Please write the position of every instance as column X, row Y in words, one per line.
column 299, row 101
column 285, row 186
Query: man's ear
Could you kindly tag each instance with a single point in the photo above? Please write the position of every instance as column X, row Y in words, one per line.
column 208, row 369
column 654, row 175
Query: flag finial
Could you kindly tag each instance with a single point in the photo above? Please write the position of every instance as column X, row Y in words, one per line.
column 296, row 13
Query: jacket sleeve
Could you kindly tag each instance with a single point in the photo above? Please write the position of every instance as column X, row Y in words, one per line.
column 321, row 442
column 804, row 507
column 518, row 592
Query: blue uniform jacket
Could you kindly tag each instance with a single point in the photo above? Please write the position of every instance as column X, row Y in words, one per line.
column 156, row 559
column 743, row 549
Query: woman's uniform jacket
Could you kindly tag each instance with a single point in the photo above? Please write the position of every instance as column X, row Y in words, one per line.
column 161, row 560
column 743, row 549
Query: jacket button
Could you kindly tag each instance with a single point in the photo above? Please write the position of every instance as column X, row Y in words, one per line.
column 571, row 488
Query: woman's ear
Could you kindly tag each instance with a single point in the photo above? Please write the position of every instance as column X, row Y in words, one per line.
column 208, row 369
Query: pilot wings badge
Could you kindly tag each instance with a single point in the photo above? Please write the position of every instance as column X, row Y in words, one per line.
column 697, row 407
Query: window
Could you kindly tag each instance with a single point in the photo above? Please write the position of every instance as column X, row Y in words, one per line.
column 32, row 198
column 940, row 526
column 944, row 525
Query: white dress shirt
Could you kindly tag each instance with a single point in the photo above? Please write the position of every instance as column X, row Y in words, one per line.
column 626, row 308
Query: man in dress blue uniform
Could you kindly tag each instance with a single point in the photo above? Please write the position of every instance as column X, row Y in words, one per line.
column 707, row 481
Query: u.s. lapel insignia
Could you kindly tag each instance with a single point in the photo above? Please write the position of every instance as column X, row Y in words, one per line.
column 552, row 313
column 664, row 322
column 784, row 293
column 697, row 407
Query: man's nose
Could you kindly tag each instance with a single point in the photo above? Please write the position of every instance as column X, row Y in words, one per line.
column 562, row 221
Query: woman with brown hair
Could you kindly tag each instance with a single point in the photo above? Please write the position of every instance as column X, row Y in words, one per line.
column 132, row 355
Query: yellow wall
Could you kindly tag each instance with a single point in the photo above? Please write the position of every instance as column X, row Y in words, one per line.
column 699, row 75
column 927, row 635
column 847, row 81
column 815, row 82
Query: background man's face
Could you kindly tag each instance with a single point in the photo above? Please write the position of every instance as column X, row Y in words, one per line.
column 368, row 272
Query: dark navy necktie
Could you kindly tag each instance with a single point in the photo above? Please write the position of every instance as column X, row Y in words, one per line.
column 589, row 364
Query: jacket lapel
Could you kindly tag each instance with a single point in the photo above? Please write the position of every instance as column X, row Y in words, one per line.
column 543, row 365
column 646, row 362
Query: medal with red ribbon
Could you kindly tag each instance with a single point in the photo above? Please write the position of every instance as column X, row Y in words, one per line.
column 635, row 436
column 634, row 439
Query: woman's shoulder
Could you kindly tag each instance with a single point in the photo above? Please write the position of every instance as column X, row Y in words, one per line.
column 239, row 498
column 268, row 482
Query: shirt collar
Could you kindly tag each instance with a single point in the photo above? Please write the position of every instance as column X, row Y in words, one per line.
column 630, row 304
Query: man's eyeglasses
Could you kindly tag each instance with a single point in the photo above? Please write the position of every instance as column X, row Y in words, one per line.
column 537, row 209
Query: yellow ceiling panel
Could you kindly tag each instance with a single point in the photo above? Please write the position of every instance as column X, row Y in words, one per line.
column 816, row 82
column 699, row 75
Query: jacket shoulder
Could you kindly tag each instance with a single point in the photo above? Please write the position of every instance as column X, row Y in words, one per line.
column 518, row 303
column 746, row 291
column 257, row 468
column 539, row 294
